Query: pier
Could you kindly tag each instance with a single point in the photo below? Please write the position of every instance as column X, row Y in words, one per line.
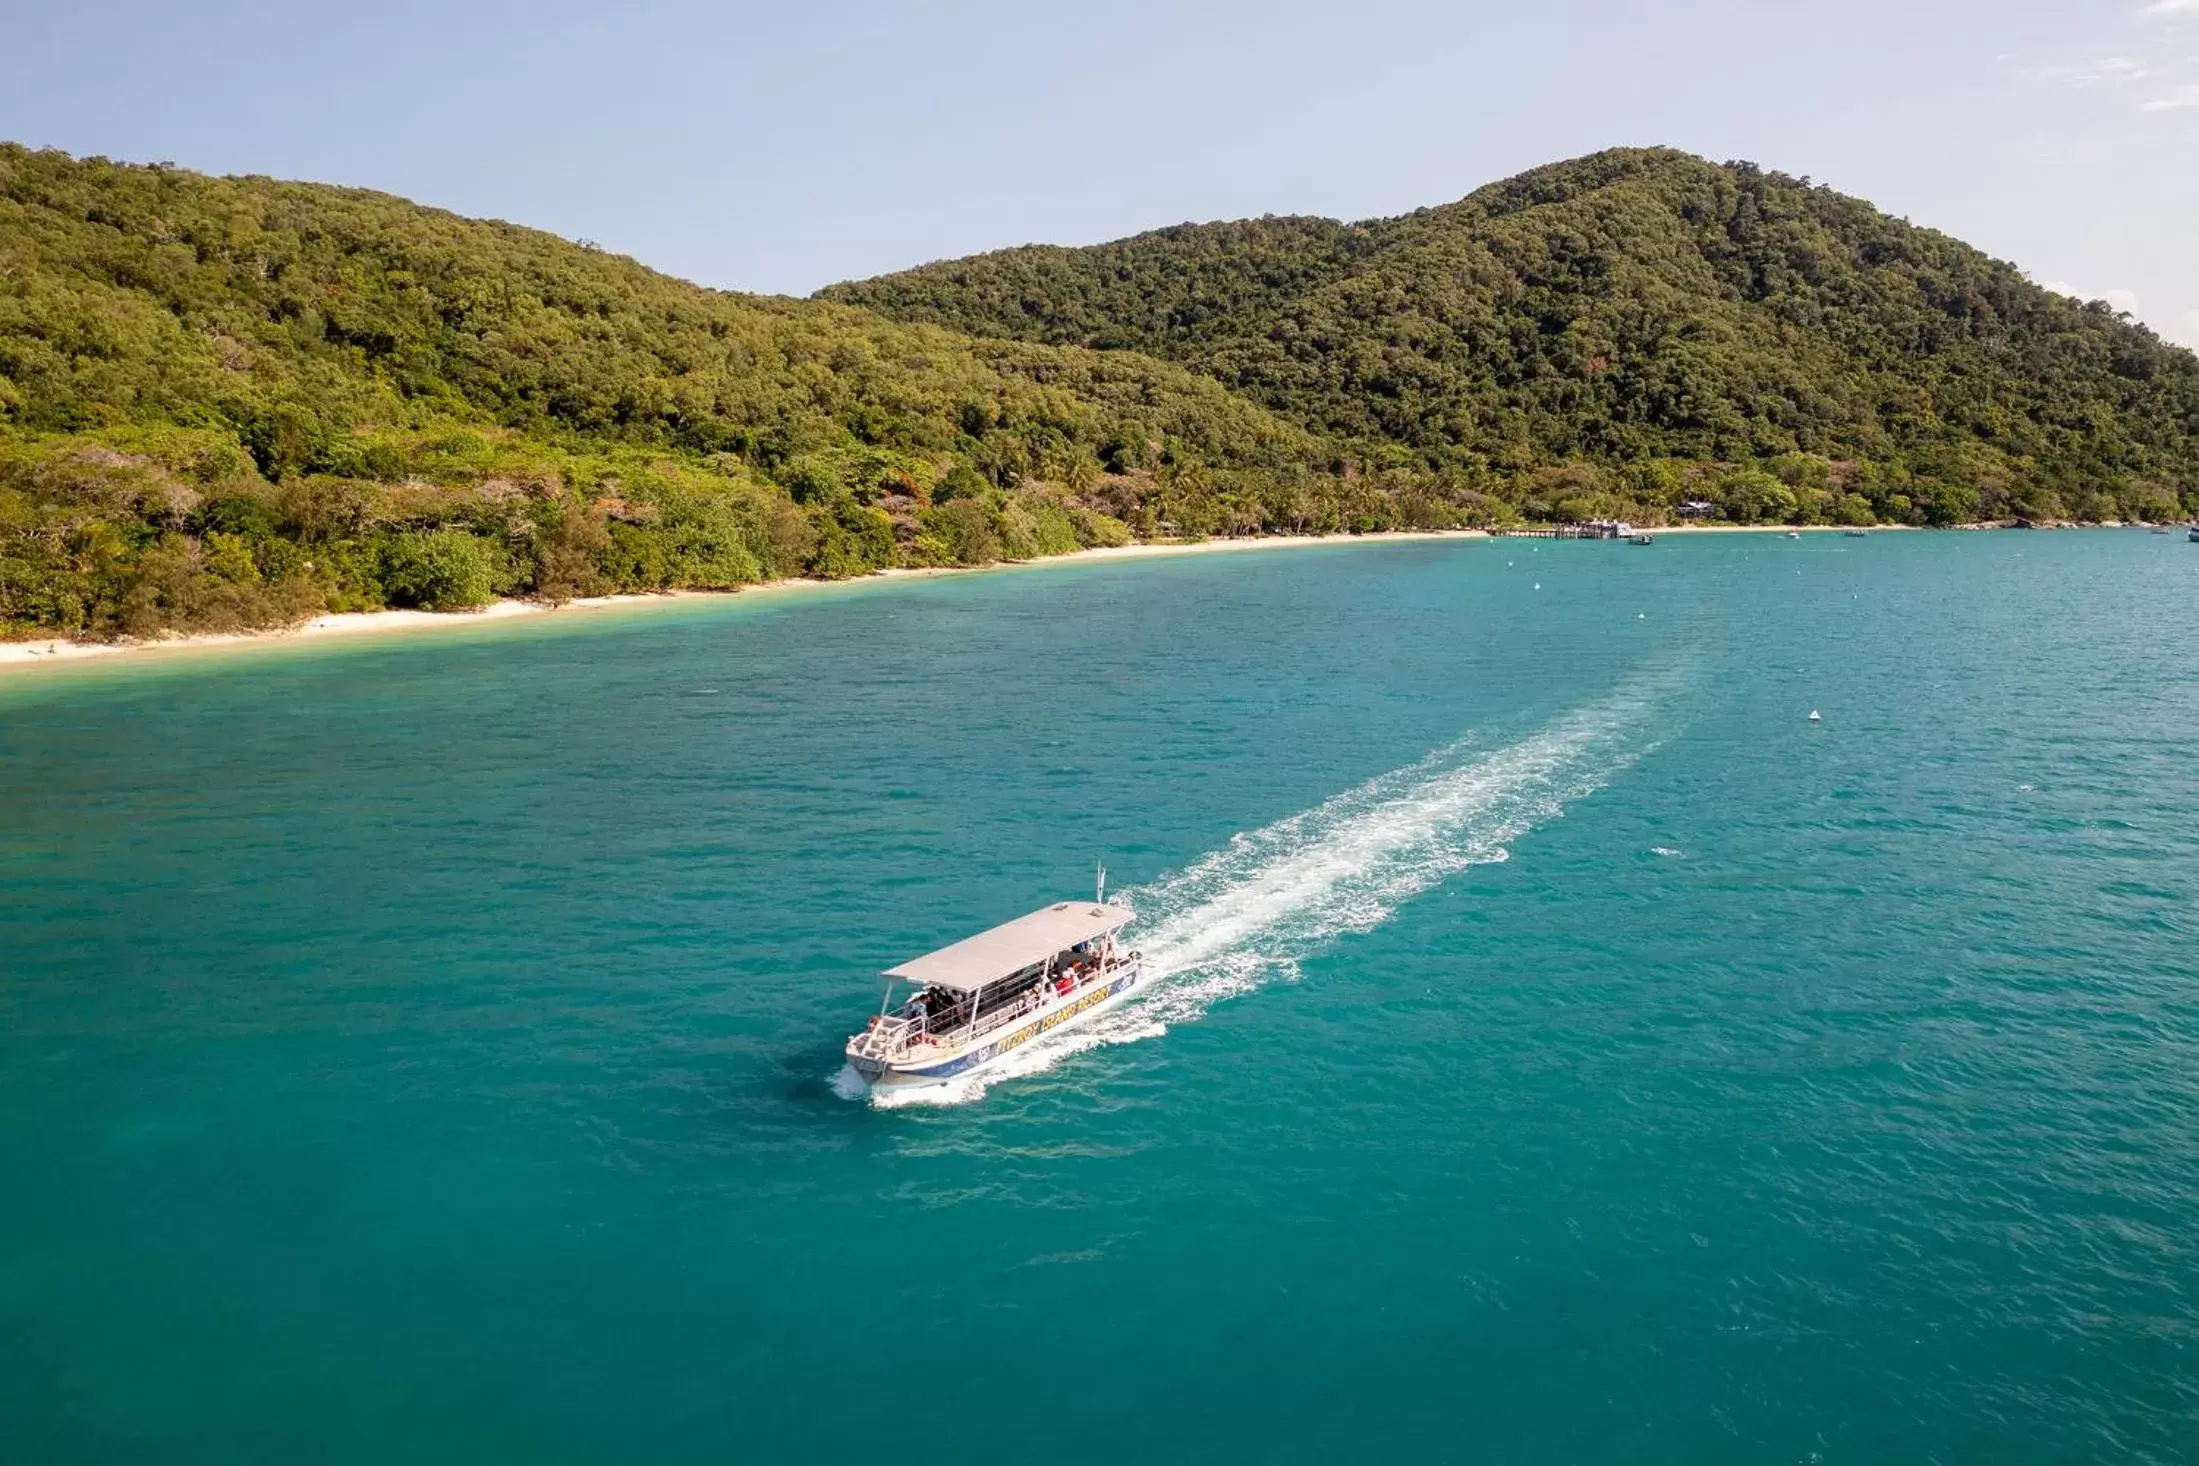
column 1602, row 529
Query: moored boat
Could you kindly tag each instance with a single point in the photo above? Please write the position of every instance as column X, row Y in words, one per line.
column 987, row 995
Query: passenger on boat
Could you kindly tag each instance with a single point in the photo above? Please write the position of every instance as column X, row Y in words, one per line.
column 940, row 1012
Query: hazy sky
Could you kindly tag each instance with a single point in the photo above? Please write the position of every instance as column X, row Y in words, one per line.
column 783, row 147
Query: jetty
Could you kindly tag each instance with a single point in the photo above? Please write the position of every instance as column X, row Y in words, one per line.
column 1594, row 529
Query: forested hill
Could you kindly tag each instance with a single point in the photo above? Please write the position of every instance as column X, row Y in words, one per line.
column 1627, row 327
column 235, row 402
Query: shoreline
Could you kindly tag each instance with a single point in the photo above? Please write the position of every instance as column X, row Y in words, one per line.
column 18, row 656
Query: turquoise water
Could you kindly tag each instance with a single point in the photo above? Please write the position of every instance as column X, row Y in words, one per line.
column 426, row 1049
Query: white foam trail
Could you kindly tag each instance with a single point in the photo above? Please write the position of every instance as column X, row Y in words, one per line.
column 1253, row 910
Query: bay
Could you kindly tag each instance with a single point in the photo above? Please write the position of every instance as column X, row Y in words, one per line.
column 429, row 1050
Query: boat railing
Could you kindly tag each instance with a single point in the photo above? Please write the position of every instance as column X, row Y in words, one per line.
column 891, row 1035
column 999, row 1018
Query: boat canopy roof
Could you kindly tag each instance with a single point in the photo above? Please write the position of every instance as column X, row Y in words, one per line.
column 1009, row 948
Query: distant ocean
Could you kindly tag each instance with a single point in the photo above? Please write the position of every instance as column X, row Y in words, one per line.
column 428, row 1049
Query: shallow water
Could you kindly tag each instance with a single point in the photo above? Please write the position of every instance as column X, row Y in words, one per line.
column 1569, row 1052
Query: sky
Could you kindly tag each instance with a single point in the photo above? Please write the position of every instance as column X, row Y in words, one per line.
column 782, row 147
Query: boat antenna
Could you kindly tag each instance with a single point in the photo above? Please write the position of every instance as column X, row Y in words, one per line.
column 1099, row 897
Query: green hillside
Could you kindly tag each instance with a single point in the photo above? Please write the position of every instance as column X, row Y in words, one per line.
column 237, row 402
column 1628, row 329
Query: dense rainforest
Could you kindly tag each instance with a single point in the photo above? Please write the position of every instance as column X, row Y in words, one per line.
column 1631, row 330
column 235, row 402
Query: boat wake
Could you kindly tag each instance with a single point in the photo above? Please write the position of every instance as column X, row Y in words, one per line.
column 1250, row 913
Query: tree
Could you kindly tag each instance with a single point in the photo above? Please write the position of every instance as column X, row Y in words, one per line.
column 1752, row 496
column 571, row 542
column 441, row 570
column 966, row 527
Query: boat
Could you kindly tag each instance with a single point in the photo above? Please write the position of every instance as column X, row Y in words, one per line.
column 1794, row 534
column 2195, row 534
column 1641, row 538
column 1857, row 534
column 983, row 997
column 1816, row 716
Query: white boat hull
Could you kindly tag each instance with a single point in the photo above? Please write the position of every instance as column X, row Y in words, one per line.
column 929, row 1066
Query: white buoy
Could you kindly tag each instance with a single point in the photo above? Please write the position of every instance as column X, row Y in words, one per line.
column 1815, row 716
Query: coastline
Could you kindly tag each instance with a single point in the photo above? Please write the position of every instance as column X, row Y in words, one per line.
column 19, row 656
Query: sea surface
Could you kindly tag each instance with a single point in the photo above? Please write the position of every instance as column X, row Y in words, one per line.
column 427, row 1049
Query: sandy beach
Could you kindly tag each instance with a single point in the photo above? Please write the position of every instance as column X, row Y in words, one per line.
column 18, row 656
